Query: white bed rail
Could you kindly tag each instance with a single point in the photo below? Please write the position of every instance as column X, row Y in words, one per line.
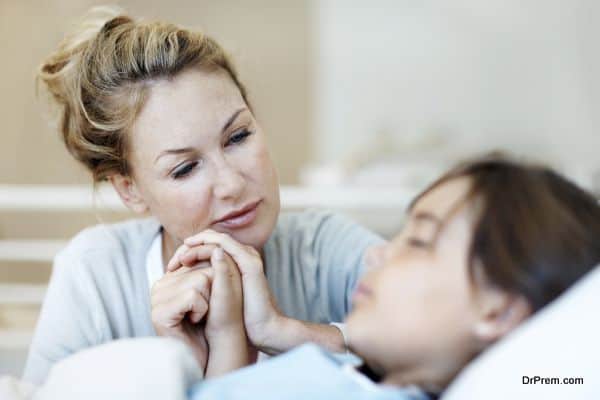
column 78, row 198
column 60, row 198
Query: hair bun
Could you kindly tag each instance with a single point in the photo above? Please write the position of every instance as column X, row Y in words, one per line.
column 115, row 22
column 58, row 70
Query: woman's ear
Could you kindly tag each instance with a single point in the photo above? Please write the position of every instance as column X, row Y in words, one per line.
column 499, row 313
column 129, row 193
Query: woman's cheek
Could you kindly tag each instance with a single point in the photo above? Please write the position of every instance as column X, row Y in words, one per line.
column 190, row 208
column 260, row 158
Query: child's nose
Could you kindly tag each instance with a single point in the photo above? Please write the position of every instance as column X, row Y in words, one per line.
column 374, row 256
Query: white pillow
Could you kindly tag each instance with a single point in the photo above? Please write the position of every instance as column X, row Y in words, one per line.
column 561, row 341
column 13, row 389
column 143, row 368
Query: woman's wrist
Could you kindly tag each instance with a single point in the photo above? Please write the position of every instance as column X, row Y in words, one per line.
column 228, row 351
column 232, row 335
column 270, row 337
column 285, row 333
column 224, row 332
column 199, row 347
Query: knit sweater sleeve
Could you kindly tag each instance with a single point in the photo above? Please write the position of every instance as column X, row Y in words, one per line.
column 68, row 318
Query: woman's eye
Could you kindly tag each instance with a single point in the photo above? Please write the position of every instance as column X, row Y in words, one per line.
column 238, row 137
column 184, row 170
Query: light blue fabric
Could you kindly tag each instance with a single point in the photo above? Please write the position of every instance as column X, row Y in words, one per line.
column 306, row 373
column 99, row 288
column 313, row 261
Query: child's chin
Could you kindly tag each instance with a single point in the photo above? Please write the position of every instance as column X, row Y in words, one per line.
column 356, row 331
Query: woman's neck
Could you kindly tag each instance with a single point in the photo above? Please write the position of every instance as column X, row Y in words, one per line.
column 169, row 245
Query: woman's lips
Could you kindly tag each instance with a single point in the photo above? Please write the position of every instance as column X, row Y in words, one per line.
column 240, row 219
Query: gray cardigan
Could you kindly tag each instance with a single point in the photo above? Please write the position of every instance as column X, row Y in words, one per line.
column 99, row 289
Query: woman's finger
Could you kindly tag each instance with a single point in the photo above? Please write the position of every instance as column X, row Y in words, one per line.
column 199, row 279
column 174, row 263
column 186, row 256
column 226, row 301
column 226, row 275
column 247, row 258
column 195, row 254
column 196, row 239
column 170, row 314
column 172, row 278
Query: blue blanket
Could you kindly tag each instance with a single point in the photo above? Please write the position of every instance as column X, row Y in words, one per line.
column 307, row 372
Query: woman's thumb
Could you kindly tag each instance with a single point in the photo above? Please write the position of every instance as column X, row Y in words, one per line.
column 227, row 280
column 217, row 260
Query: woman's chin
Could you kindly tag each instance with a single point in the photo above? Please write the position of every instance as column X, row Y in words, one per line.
column 255, row 235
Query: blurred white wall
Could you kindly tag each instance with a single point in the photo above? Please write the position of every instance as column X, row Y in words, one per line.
column 509, row 74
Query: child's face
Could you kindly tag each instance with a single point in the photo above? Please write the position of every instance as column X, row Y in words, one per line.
column 415, row 306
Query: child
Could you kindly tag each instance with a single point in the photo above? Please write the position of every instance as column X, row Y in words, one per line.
column 483, row 248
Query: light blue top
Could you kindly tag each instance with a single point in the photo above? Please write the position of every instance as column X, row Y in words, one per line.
column 304, row 373
column 99, row 287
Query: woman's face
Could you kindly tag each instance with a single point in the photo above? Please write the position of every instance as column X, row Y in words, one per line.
column 415, row 303
column 199, row 159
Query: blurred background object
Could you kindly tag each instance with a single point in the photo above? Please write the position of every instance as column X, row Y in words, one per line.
column 364, row 103
column 502, row 74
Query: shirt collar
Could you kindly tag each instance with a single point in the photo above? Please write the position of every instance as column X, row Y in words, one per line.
column 154, row 264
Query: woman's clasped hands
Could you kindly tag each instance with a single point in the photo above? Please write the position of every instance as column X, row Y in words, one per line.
column 214, row 296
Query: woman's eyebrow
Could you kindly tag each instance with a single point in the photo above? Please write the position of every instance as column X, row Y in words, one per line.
column 226, row 126
column 174, row 151
column 232, row 119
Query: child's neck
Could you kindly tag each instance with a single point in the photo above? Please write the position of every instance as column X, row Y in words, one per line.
column 429, row 380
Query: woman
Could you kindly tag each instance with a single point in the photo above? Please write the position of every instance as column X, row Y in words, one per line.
column 483, row 248
column 159, row 112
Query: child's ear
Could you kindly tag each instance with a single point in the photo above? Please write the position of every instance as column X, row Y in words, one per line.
column 498, row 313
column 129, row 193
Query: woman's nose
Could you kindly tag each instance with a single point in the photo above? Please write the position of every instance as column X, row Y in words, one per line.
column 229, row 182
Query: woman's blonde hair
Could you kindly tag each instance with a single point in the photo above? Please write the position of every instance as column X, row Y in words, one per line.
column 99, row 78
